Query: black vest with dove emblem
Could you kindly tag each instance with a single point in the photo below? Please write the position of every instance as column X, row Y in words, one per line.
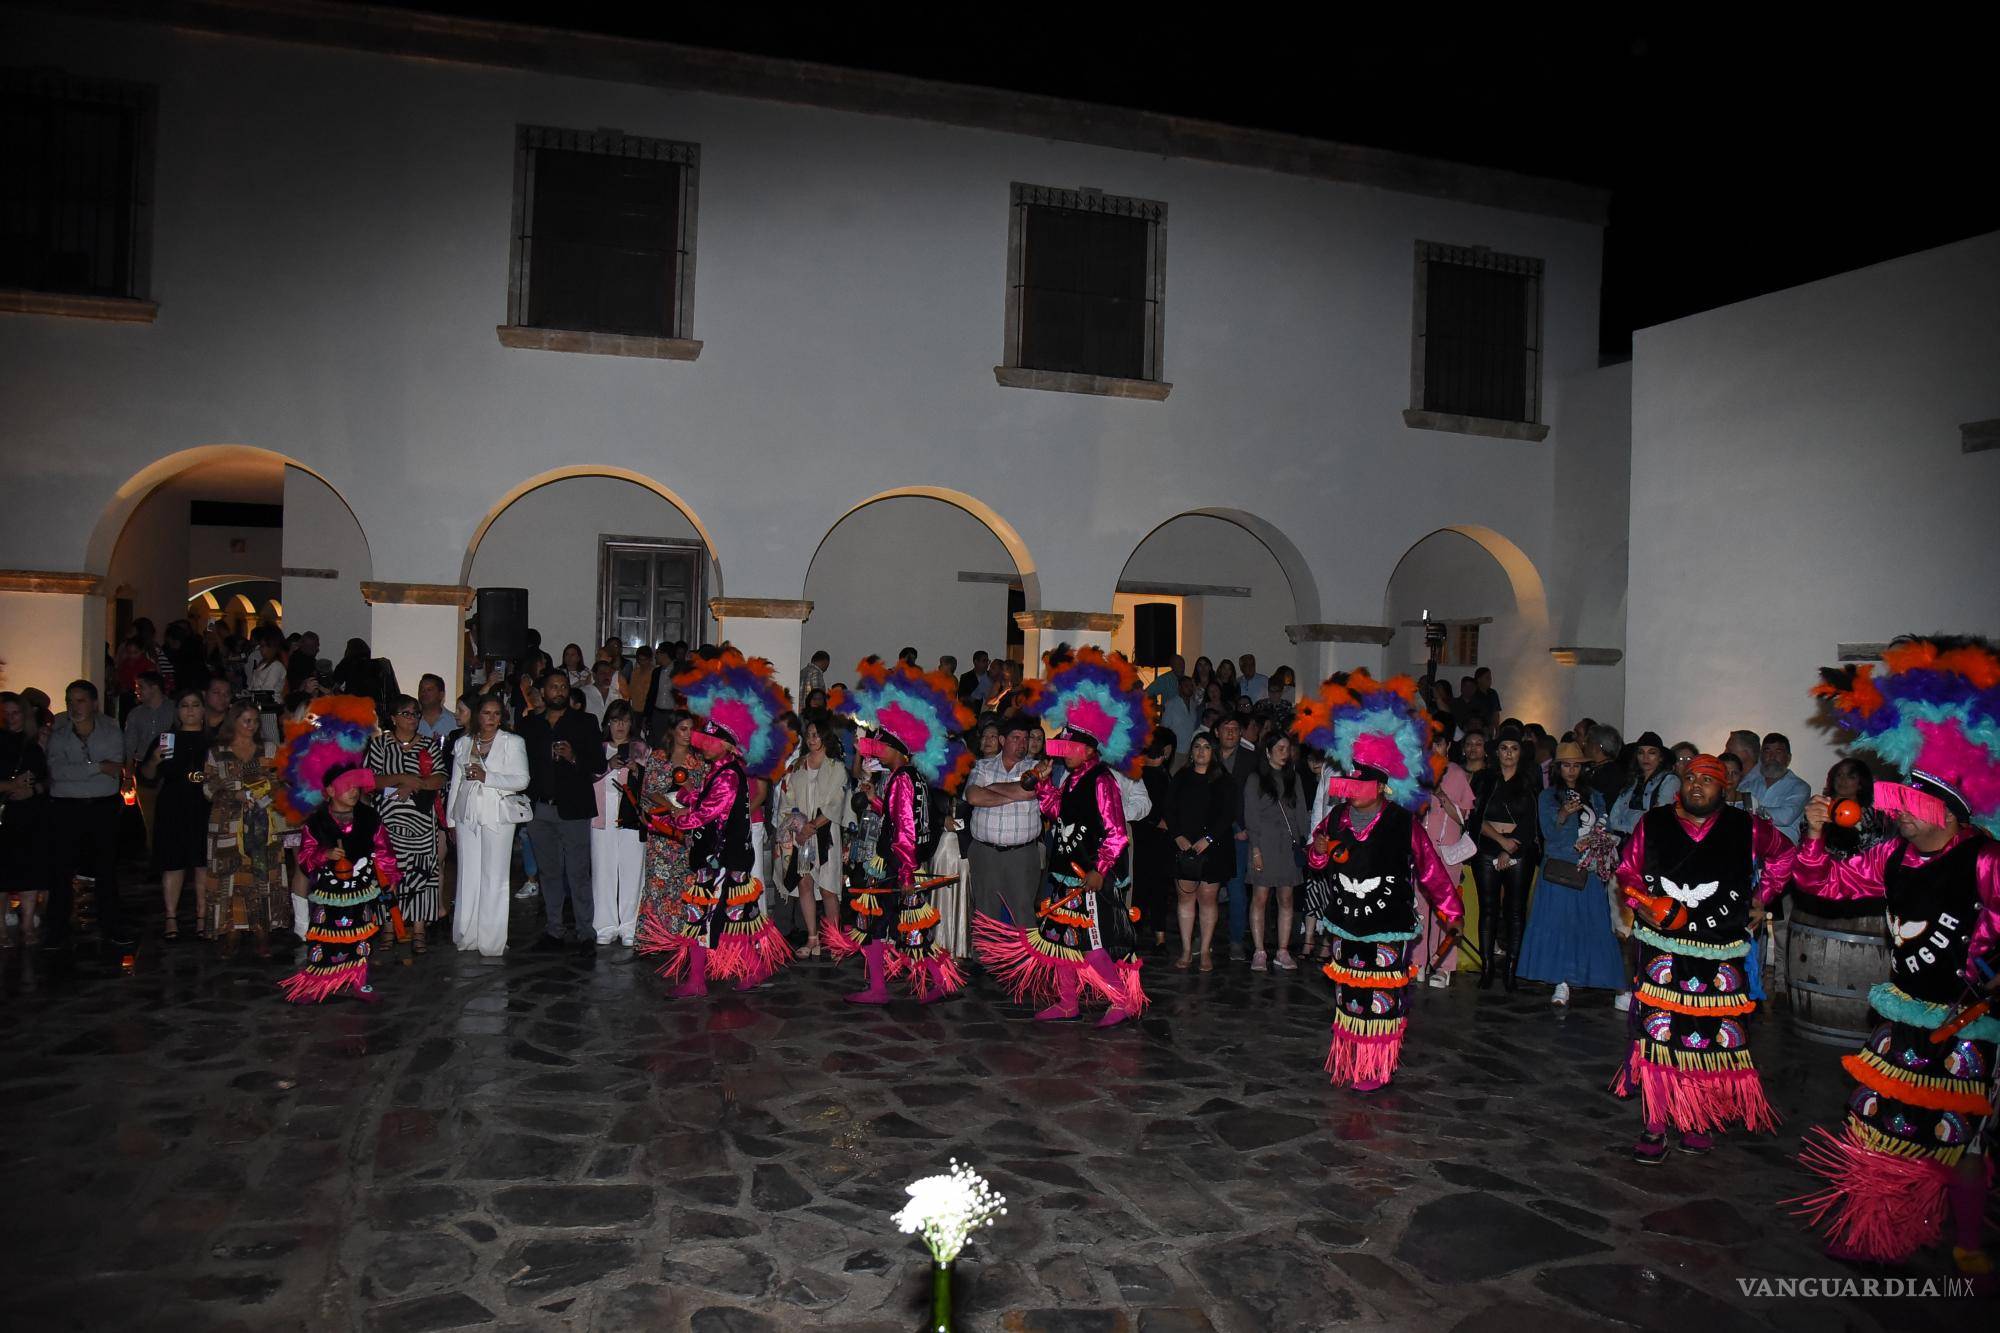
column 1711, row 878
column 1370, row 890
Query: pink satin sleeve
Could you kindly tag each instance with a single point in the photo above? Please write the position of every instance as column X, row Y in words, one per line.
column 900, row 813
column 1111, row 809
column 1986, row 934
column 1315, row 858
column 717, row 795
column 1774, row 852
column 1048, row 798
column 1824, row 875
column 387, row 873
column 1433, row 876
column 1631, row 873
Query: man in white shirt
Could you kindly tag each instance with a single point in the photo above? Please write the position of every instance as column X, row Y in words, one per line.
column 1005, row 854
column 1249, row 684
column 265, row 679
column 434, row 720
column 603, row 688
column 1779, row 794
column 1181, row 714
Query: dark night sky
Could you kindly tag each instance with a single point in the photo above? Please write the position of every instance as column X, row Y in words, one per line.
column 1741, row 159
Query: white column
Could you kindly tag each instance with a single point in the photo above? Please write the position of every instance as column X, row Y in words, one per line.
column 420, row 628
column 1044, row 630
column 51, row 630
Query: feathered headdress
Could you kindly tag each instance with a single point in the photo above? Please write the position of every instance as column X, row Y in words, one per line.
column 334, row 735
column 918, row 713
column 1368, row 727
column 742, row 698
column 1098, row 694
column 1932, row 712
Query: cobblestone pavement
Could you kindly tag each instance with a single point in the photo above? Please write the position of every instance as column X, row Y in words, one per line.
column 545, row 1142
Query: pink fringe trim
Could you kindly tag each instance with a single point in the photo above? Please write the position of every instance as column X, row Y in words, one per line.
column 1028, row 975
column 755, row 954
column 657, row 935
column 1124, row 993
column 1372, row 1060
column 1697, row 1101
column 310, row 987
column 839, row 941
column 938, row 974
column 1878, row 1205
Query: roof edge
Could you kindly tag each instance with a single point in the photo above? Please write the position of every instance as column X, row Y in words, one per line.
column 412, row 35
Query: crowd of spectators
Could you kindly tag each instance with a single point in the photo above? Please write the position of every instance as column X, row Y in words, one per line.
column 549, row 761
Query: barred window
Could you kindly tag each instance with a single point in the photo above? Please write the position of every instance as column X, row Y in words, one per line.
column 1086, row 278
column 604, row 233
column 76, row 159
column 1479, row 333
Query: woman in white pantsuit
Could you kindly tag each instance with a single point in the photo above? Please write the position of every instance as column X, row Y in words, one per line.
column 617, row 848
column 488, row 767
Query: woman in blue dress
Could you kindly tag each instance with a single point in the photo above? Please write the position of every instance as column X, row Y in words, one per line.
column 1569, row 940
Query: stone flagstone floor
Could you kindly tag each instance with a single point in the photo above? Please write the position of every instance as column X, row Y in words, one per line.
column 546, row 1143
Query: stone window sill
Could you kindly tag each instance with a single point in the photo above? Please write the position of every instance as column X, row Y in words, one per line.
column 1417, row 419
column 1063, row 381
column 117, row 309
column 599, row 344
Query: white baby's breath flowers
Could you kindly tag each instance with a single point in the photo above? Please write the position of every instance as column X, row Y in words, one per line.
column 947, row 1209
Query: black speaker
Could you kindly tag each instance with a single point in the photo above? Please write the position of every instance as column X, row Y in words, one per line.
column 1154, row 639
column 503, row 623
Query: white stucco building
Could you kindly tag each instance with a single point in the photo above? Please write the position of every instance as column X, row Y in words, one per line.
column 1305, row 391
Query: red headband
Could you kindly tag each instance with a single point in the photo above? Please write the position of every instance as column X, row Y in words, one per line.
column 1710, row 766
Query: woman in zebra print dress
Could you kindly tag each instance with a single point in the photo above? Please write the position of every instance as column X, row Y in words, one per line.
column 409, row 772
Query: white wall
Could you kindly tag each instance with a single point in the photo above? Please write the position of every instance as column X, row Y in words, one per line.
column 1197, row 548
column 1798, row 482
column 1587, row 574
column 547, row 542
column 331, row 253
column 160, row 550
column 887, row 576
column 321, row 534
column 43, row 639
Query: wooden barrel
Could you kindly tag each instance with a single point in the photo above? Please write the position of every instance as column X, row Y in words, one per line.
column 1830, row 965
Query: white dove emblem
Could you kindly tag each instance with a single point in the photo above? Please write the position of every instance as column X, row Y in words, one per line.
column 1690, row 895
column 1905, row 931
column 1360, row 888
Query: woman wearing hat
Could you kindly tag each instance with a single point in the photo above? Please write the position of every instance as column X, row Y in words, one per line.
column 1568, row 940
column 1652, row 784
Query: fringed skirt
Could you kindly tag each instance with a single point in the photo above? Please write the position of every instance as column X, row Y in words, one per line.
column 906, row 922
column 1085, row 943
column 1917, row 1106
column 345, row 915
column 1690, row 1060
column 1371, row 1006
column 721, row 911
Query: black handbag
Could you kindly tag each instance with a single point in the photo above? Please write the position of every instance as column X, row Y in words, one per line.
column 1190, row 865
column 1569, row 874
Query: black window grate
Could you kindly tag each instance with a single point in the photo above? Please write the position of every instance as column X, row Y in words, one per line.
column 74, row 169
column 1087, row 282
column 604, row 240
column 1481, row 333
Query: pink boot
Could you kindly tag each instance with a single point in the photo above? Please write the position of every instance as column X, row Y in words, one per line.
column 697, row 977
column 1106, row 972
column 1064, row 1010
column 878, row 983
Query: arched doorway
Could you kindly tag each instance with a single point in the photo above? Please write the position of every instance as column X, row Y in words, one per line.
column 603, row 552
column 1488, row 594
column 203, row 525
column 1234, row 583
column 922, row 566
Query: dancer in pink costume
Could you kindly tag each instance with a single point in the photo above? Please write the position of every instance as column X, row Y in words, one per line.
column 910, row 726
column 1086, row 941
column 717, row 926
column 1374, row 851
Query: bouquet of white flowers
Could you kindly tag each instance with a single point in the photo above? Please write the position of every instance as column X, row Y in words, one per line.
column 947, row 1209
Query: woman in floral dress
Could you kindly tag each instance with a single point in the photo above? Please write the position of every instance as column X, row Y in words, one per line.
column 666, row 855
column 246, row 856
